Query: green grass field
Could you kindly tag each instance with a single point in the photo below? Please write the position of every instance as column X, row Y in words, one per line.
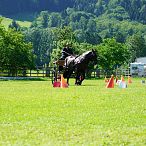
column 7, row 21
column 36, row 114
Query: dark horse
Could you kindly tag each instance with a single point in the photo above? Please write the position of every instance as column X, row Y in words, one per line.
column 79, row 65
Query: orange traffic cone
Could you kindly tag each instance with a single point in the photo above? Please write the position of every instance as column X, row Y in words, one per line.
column 63, row 83
column 129, row 80
column 110, row 84
column 122, row 78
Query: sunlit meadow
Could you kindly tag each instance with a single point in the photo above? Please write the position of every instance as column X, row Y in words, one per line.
column 34, row 113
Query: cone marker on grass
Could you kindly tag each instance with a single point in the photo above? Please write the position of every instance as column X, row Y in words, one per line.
column 110, row 84
column 63, row 83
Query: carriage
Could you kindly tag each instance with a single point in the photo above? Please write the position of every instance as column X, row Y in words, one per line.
column 56, row 73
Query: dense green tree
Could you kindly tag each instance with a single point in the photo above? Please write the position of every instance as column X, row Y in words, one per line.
column 137, row 47
column 142, row 14
column 99, row 7
column 112, row 54
column 14, row 52
column 55, row 20
column 118, row 13
column 65, row 33
column 61, row 37
column 80, row 35
column 83, row 23
column 44, row 15
column 93, row 38
column 42, row 40
column 34, row 36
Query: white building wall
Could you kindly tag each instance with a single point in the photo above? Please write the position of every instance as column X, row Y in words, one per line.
column 141, row 60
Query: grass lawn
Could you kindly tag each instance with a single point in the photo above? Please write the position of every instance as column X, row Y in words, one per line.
column 7, row 21
column 34, row 113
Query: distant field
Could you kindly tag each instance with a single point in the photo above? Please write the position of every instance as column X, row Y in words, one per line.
column 36, row 114
column 6, row 22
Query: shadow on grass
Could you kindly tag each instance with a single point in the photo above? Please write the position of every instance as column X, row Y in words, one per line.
column 83, row 85
column 23, row 79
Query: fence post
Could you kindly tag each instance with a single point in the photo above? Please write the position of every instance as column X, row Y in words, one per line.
column 47, row 72
column 24, row 72
column 43, row 72
column 98, row 73
column 30, row 72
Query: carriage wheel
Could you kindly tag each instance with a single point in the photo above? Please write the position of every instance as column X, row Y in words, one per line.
column 54, row 76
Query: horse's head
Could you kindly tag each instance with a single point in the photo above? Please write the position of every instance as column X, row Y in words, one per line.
column 92, row 56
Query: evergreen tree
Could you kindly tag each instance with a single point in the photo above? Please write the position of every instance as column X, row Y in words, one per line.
column 112, row 53
column 14, row 25
column 137, row 47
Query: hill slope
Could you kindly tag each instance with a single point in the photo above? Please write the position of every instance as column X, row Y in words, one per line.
column 129, row 9
column 7, row 21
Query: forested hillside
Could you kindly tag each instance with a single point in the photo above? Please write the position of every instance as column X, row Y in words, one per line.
column 8, row 7
column 120, row 9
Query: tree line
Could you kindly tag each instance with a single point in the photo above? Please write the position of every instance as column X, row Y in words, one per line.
column 119, row 9
column 46, row 45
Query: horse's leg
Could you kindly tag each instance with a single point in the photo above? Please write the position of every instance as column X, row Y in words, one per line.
column 68, row 76
column 82, row 77
column 77, row 80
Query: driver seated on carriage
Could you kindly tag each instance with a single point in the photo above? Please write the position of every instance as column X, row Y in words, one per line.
column 66, row 51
